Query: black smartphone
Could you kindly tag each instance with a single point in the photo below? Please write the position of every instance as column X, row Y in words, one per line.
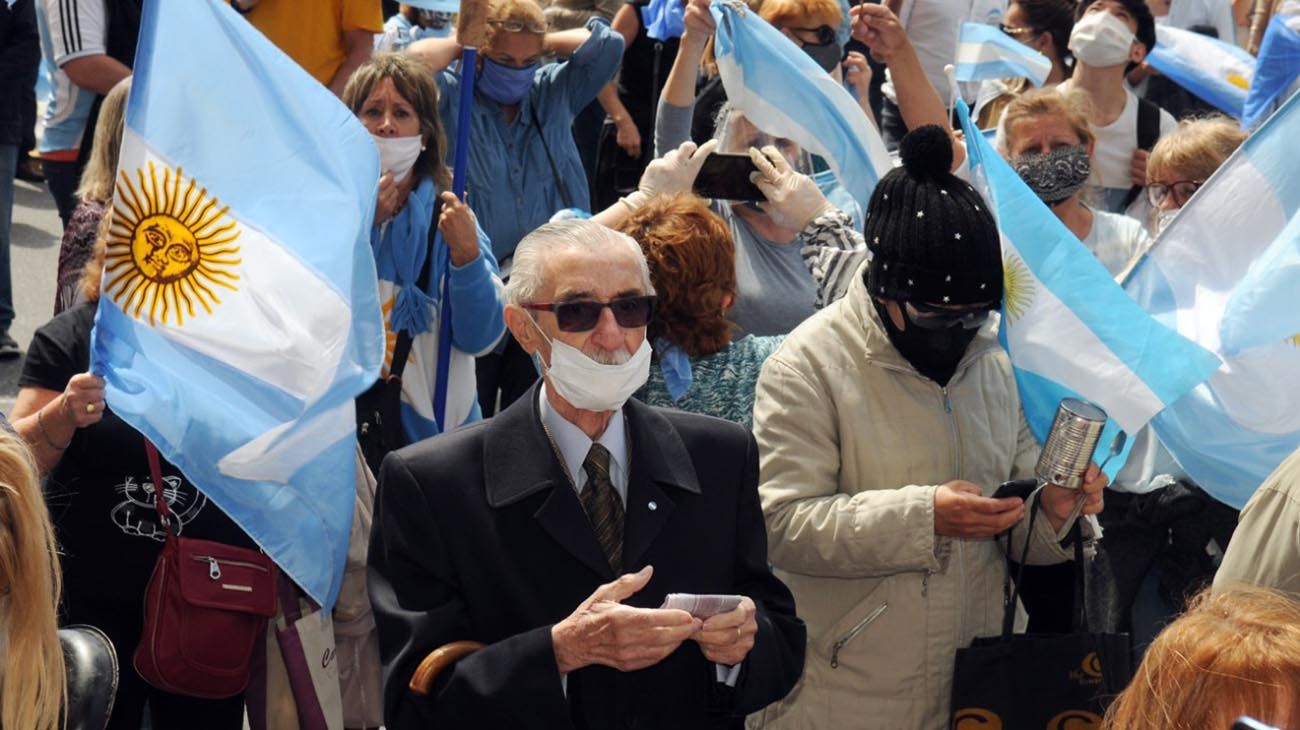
column 726, row 177
column 1021, row 488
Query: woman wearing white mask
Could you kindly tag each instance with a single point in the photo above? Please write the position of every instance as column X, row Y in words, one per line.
column 397, row 101
column 1109, row 38
column 1184, row 160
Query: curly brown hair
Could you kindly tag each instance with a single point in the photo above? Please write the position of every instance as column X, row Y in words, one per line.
column 693, row 266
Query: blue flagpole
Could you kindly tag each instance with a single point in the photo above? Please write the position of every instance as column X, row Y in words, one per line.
column 467, row 63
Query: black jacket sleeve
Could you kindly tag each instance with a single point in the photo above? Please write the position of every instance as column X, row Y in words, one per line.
column 418, row 606
column 775, row 663
column 20, row 54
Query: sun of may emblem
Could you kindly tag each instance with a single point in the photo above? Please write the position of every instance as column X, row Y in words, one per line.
column 1017, row 286
column 1294, row 340
column 170, row 247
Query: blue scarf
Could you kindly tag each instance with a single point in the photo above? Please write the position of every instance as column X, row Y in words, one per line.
column 400, row 249
column 663, row 19
column 676, row 367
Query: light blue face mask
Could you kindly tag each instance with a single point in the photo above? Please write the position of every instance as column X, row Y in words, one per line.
column 505, row 84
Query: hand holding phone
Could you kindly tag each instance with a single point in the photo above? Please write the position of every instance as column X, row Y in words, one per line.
column 726, row 177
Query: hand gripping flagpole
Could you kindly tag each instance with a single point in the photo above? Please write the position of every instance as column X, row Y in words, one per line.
column 468, row 59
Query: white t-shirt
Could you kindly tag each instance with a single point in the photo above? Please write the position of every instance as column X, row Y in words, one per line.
column 1116, row 142
column 1115, row 239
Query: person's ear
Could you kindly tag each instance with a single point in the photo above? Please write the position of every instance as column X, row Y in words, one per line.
column 1138, row 52
column 727, row 301
column 523, row 328
column 1045, row 43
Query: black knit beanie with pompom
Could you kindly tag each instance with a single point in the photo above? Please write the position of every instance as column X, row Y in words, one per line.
column 932, row 237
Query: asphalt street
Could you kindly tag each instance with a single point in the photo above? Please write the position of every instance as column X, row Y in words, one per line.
column 34, row 256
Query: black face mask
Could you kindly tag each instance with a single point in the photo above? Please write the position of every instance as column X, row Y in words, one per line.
column 827, row 55
column 933, row 352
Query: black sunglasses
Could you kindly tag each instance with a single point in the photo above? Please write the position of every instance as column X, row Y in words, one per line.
column 825, row 35
column 937, row 318
column 582, row 315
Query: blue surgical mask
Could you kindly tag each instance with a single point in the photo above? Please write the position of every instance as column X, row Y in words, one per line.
column 505, row 84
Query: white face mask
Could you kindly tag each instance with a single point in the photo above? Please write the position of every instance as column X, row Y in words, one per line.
column 397, row 154
column 1163, row 219
column 1100, row 39
column 594, row 386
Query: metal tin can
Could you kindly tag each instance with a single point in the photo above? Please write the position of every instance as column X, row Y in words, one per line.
column 1070, row 444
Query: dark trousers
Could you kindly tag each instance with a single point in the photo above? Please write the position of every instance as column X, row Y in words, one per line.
column 62, row 178
column 503, row 376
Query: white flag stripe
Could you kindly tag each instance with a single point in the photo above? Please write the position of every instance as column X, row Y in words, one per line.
column 283, row 324
column 1257, row 388
column 1087, row 366
column 273, row 457
column 978, row 53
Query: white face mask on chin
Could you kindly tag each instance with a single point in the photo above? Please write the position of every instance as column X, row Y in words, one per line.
column 1100, row 39
column 594, row 386
column 397, row 155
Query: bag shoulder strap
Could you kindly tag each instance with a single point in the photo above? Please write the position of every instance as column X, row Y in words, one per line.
column 402, row 348
column 155, row 473
column 1148, row 133
column 555, row 170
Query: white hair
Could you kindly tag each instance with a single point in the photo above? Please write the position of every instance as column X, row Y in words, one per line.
column 530, row 255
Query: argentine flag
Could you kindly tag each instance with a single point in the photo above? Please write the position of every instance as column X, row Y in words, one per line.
column 1068, row 328
column 1216, row 71
column 1277, row 70
column 984, row 52
column 1226, row 274
column 239, row 316
column 783, row 92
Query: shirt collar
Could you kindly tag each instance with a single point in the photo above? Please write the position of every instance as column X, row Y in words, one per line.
column 573, row 444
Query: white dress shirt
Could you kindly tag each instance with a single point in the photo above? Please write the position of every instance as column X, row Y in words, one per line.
column 573, row 446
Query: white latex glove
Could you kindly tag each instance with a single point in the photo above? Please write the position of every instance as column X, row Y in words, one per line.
column 793, row 199
column 675, row 172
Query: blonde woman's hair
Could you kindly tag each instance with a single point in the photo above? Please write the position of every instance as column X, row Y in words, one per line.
column 1070, row 106
column 1195, row 149
column 97, row 178
column 34, row 693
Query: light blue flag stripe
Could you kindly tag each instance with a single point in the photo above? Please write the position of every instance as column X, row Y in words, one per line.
column 1217, row 72
column 1118, row 356
column 1277, row 69
column 984, row 53
column 783, row 92
column 249, row 392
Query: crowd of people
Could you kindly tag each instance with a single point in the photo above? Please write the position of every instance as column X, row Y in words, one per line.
column 794, row 409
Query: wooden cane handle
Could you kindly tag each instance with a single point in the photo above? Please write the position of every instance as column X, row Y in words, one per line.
column 438, row 660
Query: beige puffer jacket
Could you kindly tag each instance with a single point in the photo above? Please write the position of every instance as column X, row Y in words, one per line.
column 853, row 443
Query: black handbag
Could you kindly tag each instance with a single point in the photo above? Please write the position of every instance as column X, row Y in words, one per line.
column 1033, row 681
column 379, row 409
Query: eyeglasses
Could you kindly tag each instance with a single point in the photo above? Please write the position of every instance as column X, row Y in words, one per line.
column 1016, row 31
column 581, row 316
column 825, row 35
column 1182, row 190
column 929, row 317
column 517, row 26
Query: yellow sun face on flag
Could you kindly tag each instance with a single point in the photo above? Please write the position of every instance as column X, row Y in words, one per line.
column 1017, row 287
column 169, row 247
column 390, row 337
column 1237, row 80
column 1294, row 340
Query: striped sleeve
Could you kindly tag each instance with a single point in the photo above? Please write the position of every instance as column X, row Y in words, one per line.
column 77, row 28
column 832, row 250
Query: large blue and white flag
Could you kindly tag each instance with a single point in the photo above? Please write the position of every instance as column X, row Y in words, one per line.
column 1069, row 329
column 1226, row 274
column 1216, row 71
column 239, row 316
column 783, row 92
column 984, row 52
column 1277, row 69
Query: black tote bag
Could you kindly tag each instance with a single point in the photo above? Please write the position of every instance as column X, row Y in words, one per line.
column 1040, row 681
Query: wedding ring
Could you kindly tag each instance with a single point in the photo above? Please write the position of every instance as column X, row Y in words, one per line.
column 90, row 408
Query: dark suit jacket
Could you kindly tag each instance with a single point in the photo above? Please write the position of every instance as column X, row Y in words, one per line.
column 478, row 534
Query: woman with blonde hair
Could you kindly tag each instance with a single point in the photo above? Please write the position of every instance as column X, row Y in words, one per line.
column 94, row 195
column 1046, row 137
column 1232, row 653
column 33, row 685
column 1184, row 159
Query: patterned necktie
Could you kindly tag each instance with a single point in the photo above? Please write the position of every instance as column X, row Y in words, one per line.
column 604, row 508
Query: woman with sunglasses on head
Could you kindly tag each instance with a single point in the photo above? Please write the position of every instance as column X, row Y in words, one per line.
column 523, row 162
column 1044, row 26
column 397, row 101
